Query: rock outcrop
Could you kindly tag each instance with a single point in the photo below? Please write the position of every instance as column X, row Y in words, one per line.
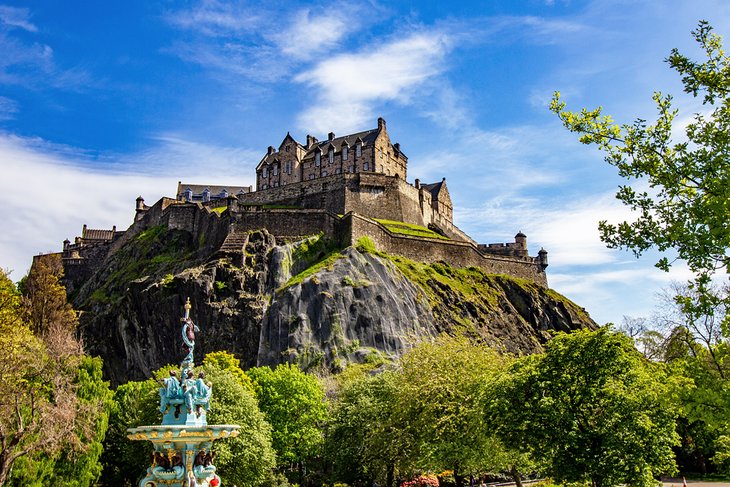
column 305, row 302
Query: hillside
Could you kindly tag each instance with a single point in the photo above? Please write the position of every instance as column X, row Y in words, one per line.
column 308, row 302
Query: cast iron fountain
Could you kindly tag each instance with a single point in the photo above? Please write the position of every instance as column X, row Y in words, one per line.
column 183, row 455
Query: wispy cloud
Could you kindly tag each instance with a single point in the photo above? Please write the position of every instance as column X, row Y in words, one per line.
column 347, row 85
column 8, row 108
column 16, row 17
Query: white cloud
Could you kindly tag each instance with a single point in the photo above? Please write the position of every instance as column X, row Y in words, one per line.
column 8, row 108
column 217, row 19
column 346, row 85
column 16, row 17
column 308, row 34
column 50, row 191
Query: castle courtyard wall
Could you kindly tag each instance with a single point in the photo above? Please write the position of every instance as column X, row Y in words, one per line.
column 457, row 254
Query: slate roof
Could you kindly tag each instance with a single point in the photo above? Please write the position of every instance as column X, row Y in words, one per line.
column 367, row 137
column 433, row 188
column 97, row 234
column 198, row 189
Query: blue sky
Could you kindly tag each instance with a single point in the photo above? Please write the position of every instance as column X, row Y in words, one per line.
column 101, row 102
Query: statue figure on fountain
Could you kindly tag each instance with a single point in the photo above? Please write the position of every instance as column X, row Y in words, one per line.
column 170, row 392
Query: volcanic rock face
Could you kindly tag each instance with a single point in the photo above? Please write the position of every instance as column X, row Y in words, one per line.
column 306, row 302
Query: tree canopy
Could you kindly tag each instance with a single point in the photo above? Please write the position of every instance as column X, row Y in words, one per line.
column 686, row 207
column 591, row 408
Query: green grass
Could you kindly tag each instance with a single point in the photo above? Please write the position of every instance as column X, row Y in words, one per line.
column 218, row 209
column 326, row 263
column 410, row 229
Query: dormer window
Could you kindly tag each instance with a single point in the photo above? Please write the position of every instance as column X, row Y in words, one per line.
column 331, row 155
column 275, row 170
column 345, row 152
column 265, row 172
column 317, row 158
column 188, row 194
column 358, row 149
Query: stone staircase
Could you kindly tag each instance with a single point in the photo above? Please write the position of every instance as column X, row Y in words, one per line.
column 234, row 243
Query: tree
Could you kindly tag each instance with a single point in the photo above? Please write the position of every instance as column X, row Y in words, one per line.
column 40, row 412
column 48, row 312
column 688, row 206
column 294, row 404
column 591, row 408
column 363, row 440
column 439, row 403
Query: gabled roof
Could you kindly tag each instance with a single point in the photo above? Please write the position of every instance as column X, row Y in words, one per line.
column 433, row 188
column 289, row 137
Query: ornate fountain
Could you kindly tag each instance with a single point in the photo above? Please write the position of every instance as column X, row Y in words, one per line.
column 183, row 455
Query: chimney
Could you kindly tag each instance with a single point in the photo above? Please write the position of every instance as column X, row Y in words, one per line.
column 396, row 148
column 331, row 136
column 271, row 150
column 310, row 141
column 381, row 123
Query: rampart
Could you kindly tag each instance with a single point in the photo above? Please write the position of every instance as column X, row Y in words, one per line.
column 457, row 254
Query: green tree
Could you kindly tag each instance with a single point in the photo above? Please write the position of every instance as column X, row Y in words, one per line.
column 440, row 404
column 51, row 410
column 227, row 361
column 294, row 405
column 249, row 458
column 47, row 307
column 135, row 404
column 592, row 408
column 688, row 205
column 363, row 441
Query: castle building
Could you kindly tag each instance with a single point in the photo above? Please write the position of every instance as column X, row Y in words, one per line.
column 345, row 188
column 205, row 193
column 362, row 152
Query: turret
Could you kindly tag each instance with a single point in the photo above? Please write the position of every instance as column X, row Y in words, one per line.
column 542, row 258
column 139, row 209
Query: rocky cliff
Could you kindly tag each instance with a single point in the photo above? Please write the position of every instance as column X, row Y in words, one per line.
column 306, row 302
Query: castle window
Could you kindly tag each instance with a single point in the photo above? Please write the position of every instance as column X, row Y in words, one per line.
column 286, row 148
column 366, row 166
column 265, row 172
column 358, row 150
column 338, row 170
column 331, row 155
column 345, row 152
column 324, row 173
column 352, row 168
column 311, row 176
column 276, row 170
column 317, row 158
column 188, row 194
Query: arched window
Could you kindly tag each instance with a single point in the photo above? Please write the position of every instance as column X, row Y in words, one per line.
column 366, row 166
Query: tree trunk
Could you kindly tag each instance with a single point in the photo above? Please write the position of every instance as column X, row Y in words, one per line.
column 516, row 476
column 458, row 478
column 389, row 476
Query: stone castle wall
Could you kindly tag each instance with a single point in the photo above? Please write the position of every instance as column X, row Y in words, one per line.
column 457, row 254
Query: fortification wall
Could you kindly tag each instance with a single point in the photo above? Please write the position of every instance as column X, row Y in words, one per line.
column 289, row 225
column 458, row 254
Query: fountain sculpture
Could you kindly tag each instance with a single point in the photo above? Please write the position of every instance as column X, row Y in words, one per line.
column 183, row 455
